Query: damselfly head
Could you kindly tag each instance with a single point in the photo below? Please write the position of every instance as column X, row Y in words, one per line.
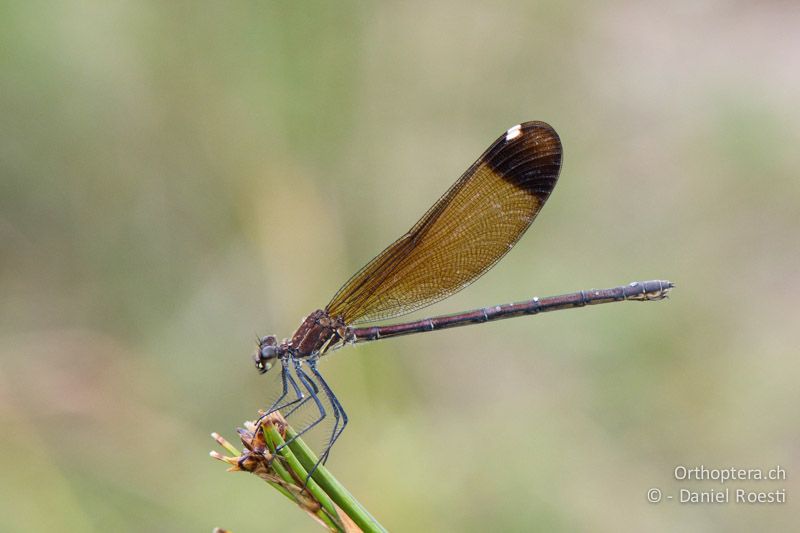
column 268, row 351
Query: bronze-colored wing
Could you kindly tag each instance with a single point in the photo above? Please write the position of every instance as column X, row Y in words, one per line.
column 475, row 223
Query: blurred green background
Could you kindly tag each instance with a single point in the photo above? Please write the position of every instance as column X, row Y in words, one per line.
column 178, row 177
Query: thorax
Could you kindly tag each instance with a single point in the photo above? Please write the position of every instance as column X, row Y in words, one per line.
column 318, row 332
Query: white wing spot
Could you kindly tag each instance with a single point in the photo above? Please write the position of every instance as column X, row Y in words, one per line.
column 513, row 133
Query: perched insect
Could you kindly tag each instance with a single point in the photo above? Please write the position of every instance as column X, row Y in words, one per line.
column 475, row 223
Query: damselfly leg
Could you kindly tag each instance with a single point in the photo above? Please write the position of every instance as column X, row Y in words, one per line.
column 286, row 380
column 313, row 394
column 338, row 412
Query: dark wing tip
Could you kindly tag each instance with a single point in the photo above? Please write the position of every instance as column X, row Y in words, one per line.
column 529, row 156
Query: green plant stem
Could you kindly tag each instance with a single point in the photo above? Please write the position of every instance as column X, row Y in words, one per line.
column 275, row 441
column 321, row 495
column 278, row 477
column 337, row 492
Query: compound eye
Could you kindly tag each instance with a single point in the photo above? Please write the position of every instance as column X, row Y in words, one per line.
column 269, row 340
column 268, row 352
